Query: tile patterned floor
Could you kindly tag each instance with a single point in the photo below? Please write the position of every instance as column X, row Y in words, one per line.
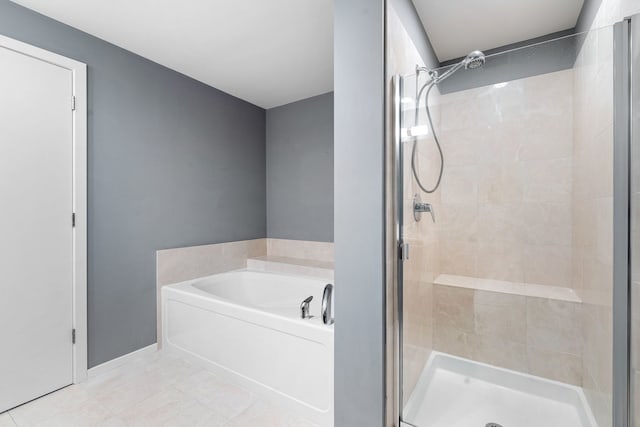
column 156, row 390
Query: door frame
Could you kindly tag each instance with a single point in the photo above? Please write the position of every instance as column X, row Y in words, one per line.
column 622, row 220
column 79, row 197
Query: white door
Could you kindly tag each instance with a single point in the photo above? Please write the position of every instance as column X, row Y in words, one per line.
column 36, row 235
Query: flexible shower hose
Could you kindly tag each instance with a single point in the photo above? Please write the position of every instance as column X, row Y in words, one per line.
column 428, row 86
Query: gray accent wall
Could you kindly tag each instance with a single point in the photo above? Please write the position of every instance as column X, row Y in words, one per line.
column 172, row 162
column 546, row 54
column 300, row 170
column 359, row 213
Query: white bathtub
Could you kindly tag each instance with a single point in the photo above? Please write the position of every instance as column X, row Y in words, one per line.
column 246, row 325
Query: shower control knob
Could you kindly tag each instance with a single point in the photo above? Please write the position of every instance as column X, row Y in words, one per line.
column 420, row 207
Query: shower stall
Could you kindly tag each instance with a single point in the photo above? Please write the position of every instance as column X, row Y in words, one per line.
column 514, row 218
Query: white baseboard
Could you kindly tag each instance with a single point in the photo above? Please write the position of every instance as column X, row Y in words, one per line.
column 119, row 361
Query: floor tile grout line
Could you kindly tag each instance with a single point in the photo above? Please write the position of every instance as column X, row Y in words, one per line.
column 12, row 419
column 253, row 400
column 172, row 380
column 152, row 395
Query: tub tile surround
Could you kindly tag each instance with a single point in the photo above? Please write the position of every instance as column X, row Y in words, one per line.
column 303, row 267
column 302, row 249
column 278, row 255
column 179, row 264
column 153, row 390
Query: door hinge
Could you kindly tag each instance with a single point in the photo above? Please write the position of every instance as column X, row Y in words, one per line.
column 403, row 251
column 73, row 336
column 73, row 103
column 73, row 219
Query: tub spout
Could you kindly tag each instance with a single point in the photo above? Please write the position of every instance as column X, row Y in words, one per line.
column 304, row 307
column 327, row 317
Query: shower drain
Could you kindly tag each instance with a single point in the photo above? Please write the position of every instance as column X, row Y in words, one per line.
column 492, row 425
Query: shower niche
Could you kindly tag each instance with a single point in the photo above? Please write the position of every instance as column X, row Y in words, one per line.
column 507, row 292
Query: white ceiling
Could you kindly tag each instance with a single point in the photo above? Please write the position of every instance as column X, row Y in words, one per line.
column 267, row 52
column 456, row 27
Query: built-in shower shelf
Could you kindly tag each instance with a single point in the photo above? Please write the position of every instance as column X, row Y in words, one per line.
column 515, row 288
column 279, row 264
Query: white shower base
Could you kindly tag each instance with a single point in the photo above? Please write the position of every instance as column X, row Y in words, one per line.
column 456, row 392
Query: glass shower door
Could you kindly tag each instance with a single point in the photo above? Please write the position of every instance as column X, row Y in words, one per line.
column 505, row 289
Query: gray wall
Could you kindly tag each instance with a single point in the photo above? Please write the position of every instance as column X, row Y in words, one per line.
column 172, row 162
column 359, row 213
column 546, row 54
column 300, row 170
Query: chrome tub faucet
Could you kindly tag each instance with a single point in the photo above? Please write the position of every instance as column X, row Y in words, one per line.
column 304, row 308
column 327, row 315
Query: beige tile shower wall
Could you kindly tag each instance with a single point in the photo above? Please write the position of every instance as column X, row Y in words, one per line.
column 420, row 270
column 535, row 335
column 179, row 264
column 592, row 214
column 505, row 209
column 422, row 267
column 612, row 11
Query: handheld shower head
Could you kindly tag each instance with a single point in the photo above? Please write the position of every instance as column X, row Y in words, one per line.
column 475, row 59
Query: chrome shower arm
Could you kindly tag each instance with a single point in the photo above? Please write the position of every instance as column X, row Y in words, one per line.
column 449, row 72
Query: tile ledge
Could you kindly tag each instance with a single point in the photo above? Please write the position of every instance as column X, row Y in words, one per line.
column 515, row 288
column 302, row 262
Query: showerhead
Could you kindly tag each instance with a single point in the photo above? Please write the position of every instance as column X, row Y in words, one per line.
column 475, row 59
